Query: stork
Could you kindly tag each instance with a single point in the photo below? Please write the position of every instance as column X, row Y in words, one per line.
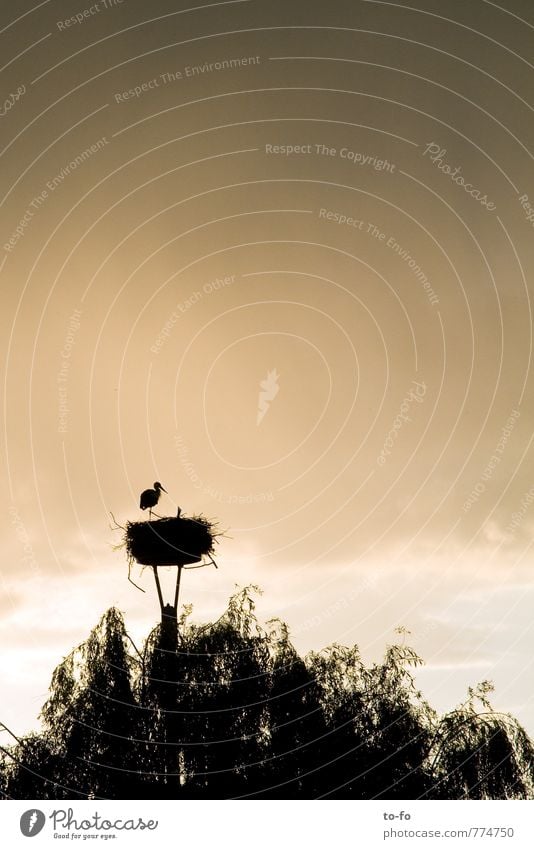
column 150, row 497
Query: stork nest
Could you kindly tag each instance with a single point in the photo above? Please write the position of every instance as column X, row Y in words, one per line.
column 171, row 541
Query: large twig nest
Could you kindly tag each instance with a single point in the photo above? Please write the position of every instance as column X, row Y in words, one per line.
column 170, row 541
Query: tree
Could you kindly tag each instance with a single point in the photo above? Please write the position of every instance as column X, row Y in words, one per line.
column 477, row 753
column 378, row 725
column 91, row 719
column 230, row 710
column 226, row 672
column 296, row 722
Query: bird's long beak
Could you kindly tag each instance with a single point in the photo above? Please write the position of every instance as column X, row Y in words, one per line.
column 164, row 490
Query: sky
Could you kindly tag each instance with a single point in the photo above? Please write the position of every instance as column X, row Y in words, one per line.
column 277, row 256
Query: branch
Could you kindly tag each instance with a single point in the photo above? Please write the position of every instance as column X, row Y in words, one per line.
column 475, row 716
column 133, row 644
column 4, row 726
column 129, row 578
column 9, row 754
column 116, row 525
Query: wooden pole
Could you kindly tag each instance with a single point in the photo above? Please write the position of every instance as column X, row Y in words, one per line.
column 158, row 586
column 177, row 593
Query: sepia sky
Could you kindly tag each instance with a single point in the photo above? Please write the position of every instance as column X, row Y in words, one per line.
column 279, row 257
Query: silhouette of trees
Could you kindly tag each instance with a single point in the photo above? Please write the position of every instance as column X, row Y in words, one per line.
column 230, row 710
column 92, row 716
column 379, row 725
column 479, row 754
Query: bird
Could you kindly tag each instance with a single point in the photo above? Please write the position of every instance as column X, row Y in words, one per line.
column 150, row 497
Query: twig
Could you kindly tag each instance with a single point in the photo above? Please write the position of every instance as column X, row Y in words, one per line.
column 9, row 754
column 4, row 726
column 130, row 580
column 135, row 647
column 212, row 560
column 117, row 526
column 201, row 565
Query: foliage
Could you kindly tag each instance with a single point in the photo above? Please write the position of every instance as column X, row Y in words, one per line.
column 479, row 754
column 230, row 710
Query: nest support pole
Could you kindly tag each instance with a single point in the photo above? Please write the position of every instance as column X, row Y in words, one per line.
column 169, row 613
column 167, row 670
column 158, row 587
column 177, row 592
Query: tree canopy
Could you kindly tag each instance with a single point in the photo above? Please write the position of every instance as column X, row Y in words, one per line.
column 230, row 710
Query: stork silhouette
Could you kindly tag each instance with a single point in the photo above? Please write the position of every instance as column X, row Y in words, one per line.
column 150, row 497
